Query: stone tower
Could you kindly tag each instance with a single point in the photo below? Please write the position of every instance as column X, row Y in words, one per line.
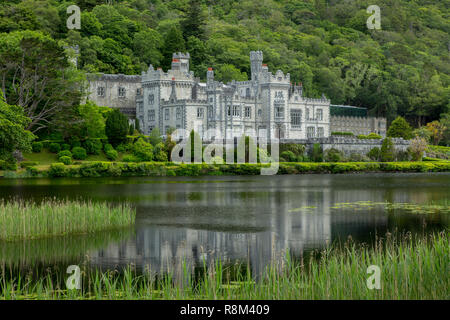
column 256, row 59
column 180, row 61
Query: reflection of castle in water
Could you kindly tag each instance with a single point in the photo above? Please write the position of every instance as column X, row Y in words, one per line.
column 253, row 223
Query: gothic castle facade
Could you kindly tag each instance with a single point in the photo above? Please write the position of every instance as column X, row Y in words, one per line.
column 267, row 105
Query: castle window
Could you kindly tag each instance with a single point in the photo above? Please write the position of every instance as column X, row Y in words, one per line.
column 151, row 98
column 178, row 113
column 307, row 114
column 296, row 118
column 229, row 111
column 248, row 112
column 141, row 107
column 319, row 115
column 200, row 112
column 122, row 92
column 166, row 114
column 320, row 132
column 279, row 112
column 101, row 91
column 236, row 111
column 151, row 115
column 259, row 112
column 210, row 112
column 310, row 132
column 247, row 92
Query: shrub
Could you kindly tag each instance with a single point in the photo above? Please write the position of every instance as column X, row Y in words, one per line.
column 317, row 153
column 333, row 155
column 107, row 147
column 374, row 154
column 356, row 157
column 387, row 152
column 295, row 148
column 65, row 146
column 337, row 133
column 400, row 128
column 417, row 148
column 65, row 159
column 79, row 153
column 58, row 170
column 93, row 146
column 65, row 153
column 33, row 171
column 2, row 165
column 371, row 135
column 403, row 155
column 75, row 142
column 37, row 146
column 288, row 156
column 143, row 150
column 26, row 164
column 112, row 154
column 55, row 147
column 124, row 147
column 130, row 158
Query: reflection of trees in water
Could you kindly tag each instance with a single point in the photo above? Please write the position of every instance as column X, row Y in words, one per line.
column 58, row 249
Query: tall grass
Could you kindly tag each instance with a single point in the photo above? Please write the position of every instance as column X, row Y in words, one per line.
column 410, row 269
column 28, row 220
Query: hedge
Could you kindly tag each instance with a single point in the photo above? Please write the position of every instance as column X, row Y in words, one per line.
column 111, row 169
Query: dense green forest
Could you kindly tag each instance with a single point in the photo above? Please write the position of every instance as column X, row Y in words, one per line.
column 402, row 69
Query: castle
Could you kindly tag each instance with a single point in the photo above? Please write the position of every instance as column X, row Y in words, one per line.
column 268, row 105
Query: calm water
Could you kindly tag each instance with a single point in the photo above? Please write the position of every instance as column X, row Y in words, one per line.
column 250, row 219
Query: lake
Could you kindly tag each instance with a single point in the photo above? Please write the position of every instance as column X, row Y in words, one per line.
column 251, row 219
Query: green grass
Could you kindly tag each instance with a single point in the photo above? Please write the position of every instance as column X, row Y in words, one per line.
column 410, row 269
column 26, row 220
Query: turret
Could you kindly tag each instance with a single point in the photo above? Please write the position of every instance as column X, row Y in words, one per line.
column 256, row 59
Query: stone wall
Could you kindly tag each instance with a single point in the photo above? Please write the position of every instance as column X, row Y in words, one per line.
column 358, row 125
column 349, row 145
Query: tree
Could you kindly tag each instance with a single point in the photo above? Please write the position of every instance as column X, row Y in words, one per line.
column 387, row 150
column 93, row 120
column 194, row 21
column 36, row 75
column 13, row 133
column 436, row 130
column 116, row 127
column 155, row 137
column 417, row 148
column 174, row 42
column 400, row 128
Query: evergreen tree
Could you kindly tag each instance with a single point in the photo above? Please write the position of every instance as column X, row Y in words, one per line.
column 400, row 128
column 194, row 21
column 174, row 42
column 116, row 127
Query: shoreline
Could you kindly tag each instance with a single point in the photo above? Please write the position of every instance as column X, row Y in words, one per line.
column 94, row 169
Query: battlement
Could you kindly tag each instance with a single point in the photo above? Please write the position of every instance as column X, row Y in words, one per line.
column 181, row 55
column 114, row 77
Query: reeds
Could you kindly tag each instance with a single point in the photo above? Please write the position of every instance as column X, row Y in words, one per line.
column 27, row 220
column 410, row 269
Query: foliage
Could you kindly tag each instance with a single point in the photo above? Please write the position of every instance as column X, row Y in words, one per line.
column 288, row 156
column 399, row 128
column 374, row 154
column 436, row 130
column 65, row 153
column 79, row 153
column 13, row 133
column 93, row 120
column 65, row 159
column 387, row 151
column 65, row 146
column 37, row 146
column 143, row 150
column 338, row 133
column 93, row 146
column 333, row 155
column 112, row 154
column 116, row 127
column 159, row 152
column 155, row 137
column 371, row 135
column 417, row 148
column 55, row 147
column 317, row 153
